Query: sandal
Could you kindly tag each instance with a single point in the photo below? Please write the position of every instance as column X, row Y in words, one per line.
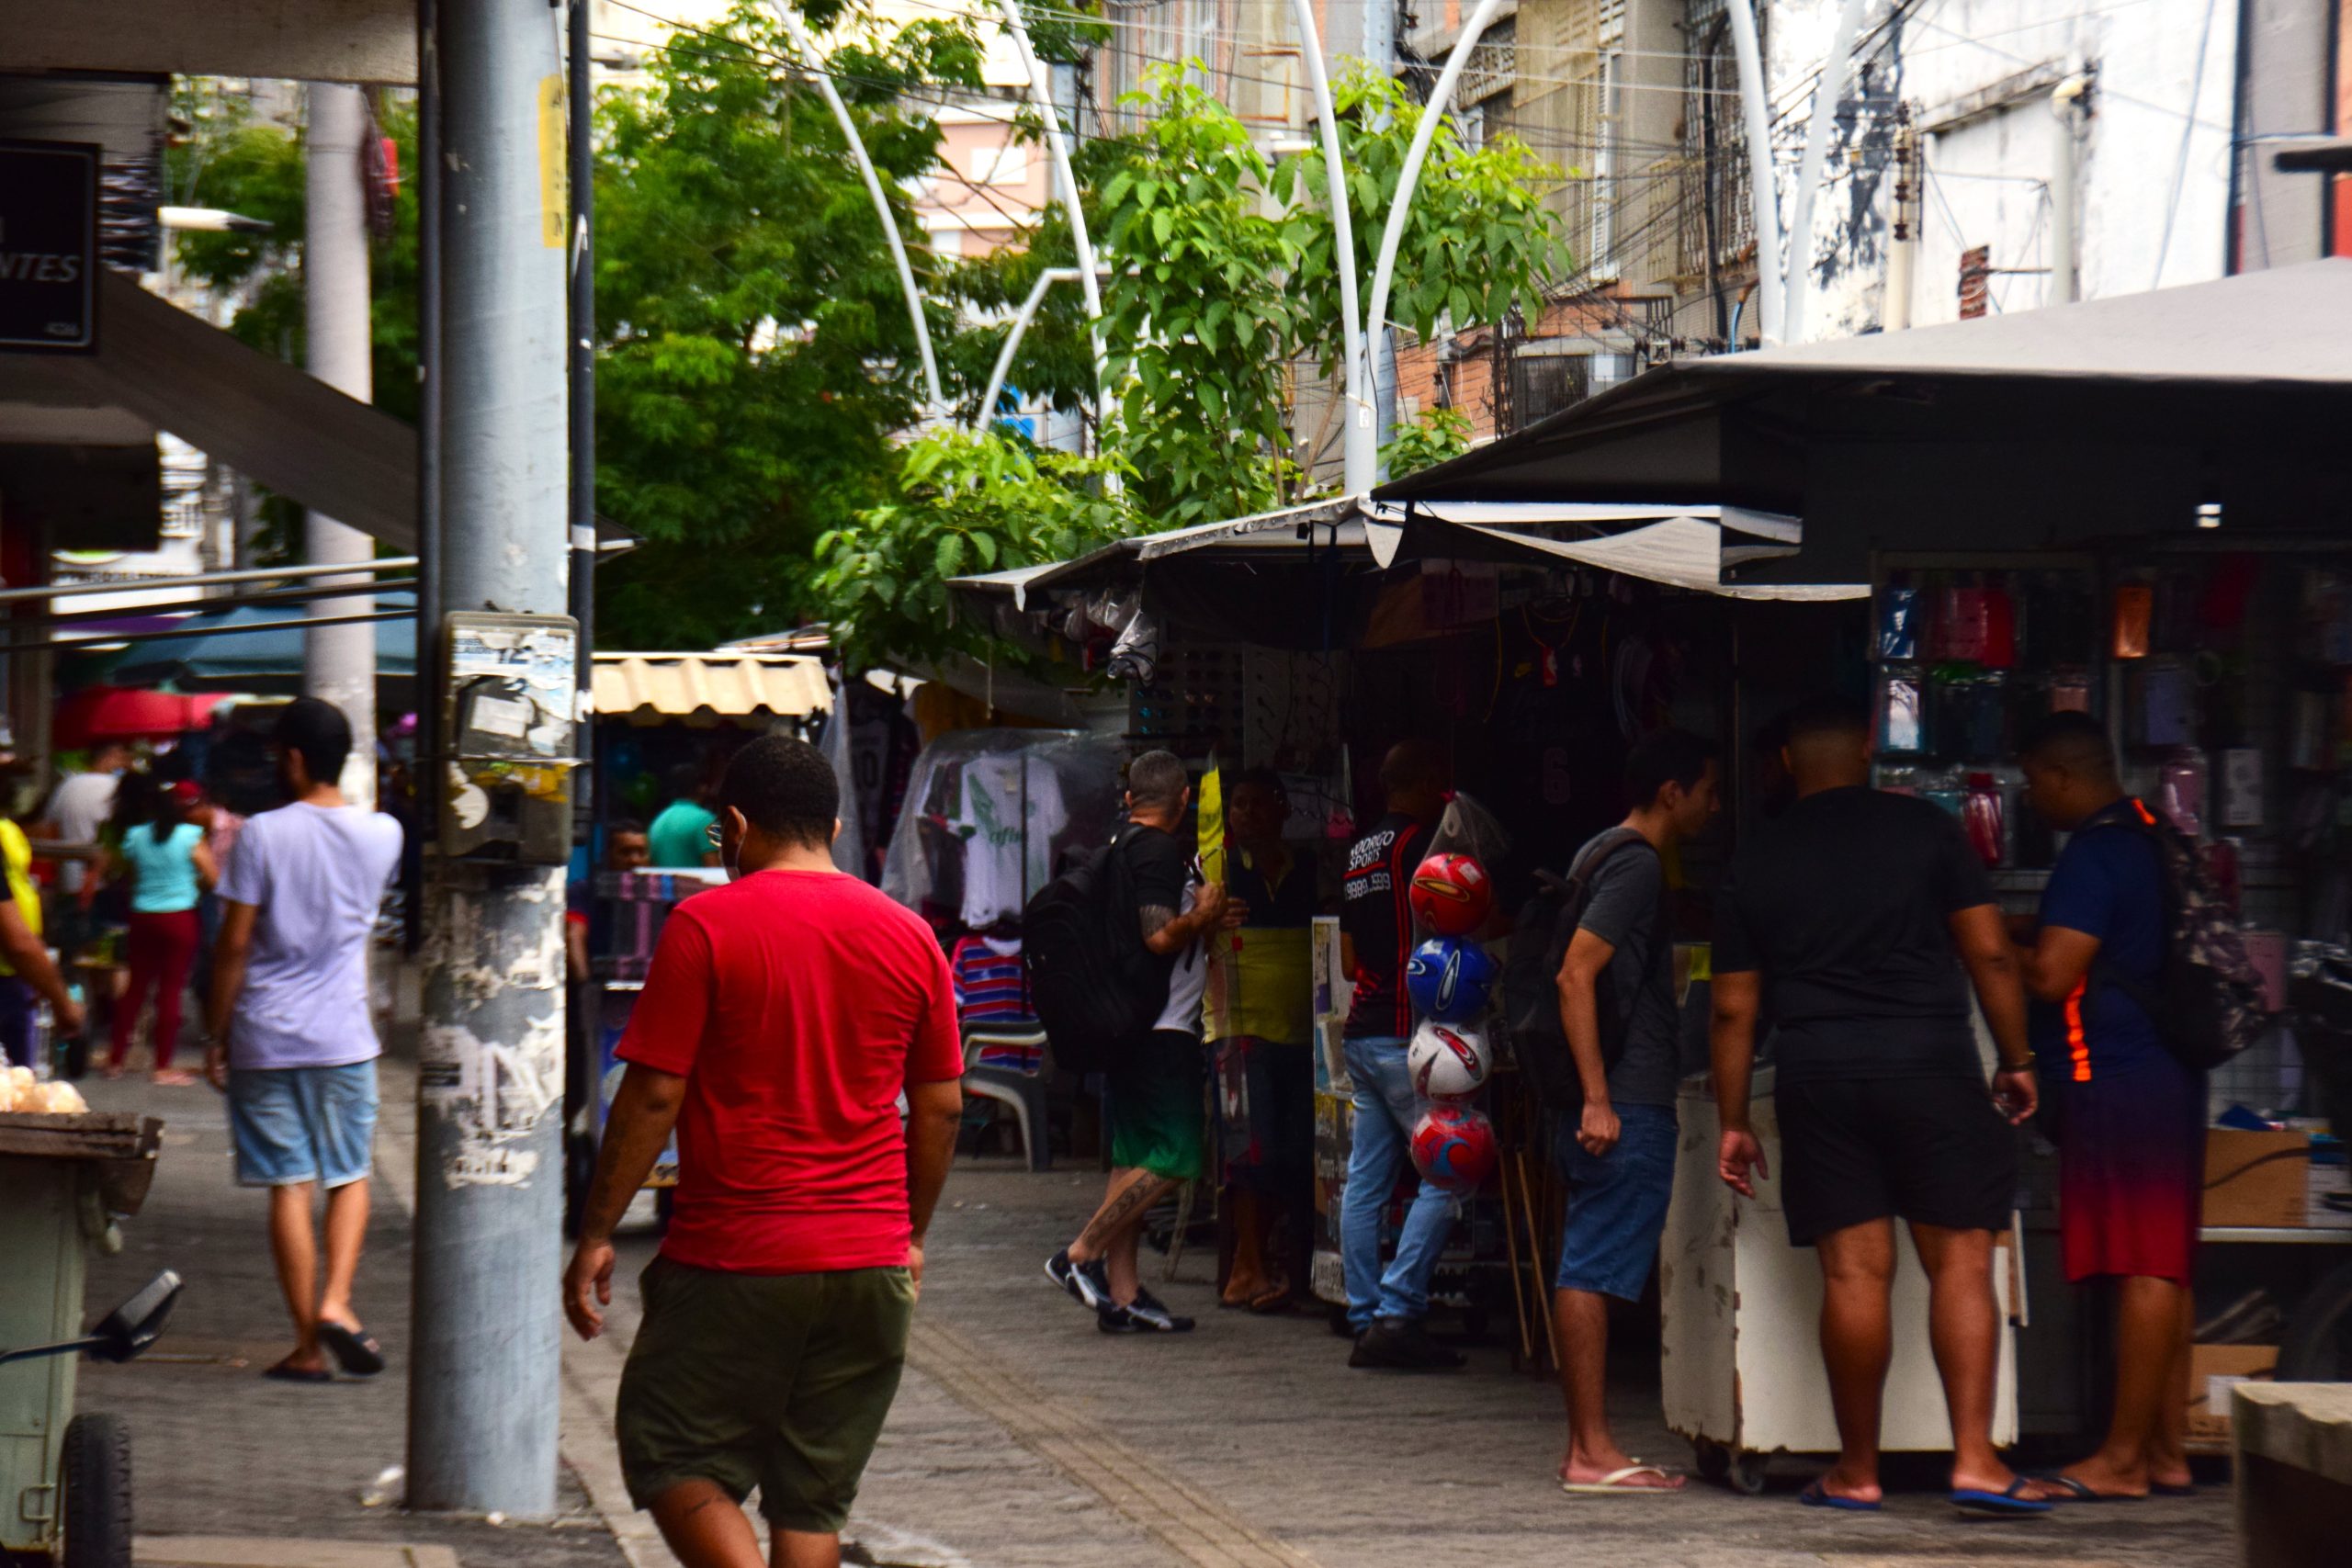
column 353, row 1350
column 1620, row 1483
column 2003, row 1505
column 284, row 1374
column 1816, row 1495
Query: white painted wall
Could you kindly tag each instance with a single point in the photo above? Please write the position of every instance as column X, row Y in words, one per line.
column 2145, row 159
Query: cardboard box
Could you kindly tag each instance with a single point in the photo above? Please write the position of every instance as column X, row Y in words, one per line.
column 2213, row 1369
column 2258, row 1179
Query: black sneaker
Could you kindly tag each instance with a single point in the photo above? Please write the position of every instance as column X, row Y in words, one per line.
column 1402, row 1345
column 1084, row 1282
column 1145, row 1315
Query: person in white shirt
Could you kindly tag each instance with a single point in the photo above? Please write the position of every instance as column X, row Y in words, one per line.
column 293, row 1041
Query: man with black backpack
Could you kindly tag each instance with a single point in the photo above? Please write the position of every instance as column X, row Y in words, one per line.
column 1616, row 1005
column 2132, row 1113
column 1154, row 1077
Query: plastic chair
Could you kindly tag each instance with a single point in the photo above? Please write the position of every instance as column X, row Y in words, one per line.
column 1025, row 1092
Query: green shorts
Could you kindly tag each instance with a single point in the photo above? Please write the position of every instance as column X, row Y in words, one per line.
column 1155, row 1099
column 774, row 1381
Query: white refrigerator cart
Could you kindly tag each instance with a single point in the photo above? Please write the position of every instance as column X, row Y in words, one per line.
column 1742, row 1376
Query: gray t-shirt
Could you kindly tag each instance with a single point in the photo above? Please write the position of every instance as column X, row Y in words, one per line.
column 1626, row 910
column 316, row 875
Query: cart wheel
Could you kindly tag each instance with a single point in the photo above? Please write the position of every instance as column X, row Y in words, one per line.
column 96, row 1507
column 1714, row 1460
column 1746, row 1476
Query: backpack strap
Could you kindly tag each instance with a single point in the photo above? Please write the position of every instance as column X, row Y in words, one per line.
column 1578, row 884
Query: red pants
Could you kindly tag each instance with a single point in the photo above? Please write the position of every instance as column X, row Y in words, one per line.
column 161, row 948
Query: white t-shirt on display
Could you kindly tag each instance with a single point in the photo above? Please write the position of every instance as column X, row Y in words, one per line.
column 317, row 875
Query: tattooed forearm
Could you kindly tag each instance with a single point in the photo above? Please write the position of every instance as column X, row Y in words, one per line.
column 1153, row 918
column 1124, row 1207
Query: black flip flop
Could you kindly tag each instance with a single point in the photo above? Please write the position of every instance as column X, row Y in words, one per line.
column 284, row 1374
column 353, row 1350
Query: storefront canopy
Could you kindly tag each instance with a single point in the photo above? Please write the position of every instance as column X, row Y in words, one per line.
column 2123, row 414
column 649, row 687
column 259, row 648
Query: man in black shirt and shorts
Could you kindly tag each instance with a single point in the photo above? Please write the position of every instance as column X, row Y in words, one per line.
column 1851, row 919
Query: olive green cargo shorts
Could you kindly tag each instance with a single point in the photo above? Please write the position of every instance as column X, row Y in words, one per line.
column 779, row 1382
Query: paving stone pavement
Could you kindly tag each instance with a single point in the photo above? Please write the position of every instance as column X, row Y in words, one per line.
column 1022, row 1438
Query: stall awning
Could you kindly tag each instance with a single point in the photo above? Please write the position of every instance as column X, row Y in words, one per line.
column 2116, row 416
column 1685, row 550
column 724, row 685
column 1322, row 525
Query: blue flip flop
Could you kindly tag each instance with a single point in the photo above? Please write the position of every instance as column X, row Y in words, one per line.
column 2080, row 1492
column 1817, row 1496
column 2005, row 1505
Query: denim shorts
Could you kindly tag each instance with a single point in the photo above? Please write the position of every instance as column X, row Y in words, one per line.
column 1617, row 1204
column 297, row 1124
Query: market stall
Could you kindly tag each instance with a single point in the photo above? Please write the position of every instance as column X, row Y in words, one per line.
column 2130, row 508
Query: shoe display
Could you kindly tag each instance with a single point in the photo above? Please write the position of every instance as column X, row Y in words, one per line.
column 1084, row 1282
column 1400, row 1344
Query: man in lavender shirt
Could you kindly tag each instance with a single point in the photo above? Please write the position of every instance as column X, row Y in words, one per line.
column 293, row 1043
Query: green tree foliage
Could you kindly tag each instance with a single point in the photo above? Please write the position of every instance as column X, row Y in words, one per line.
column 1438, row 436
column 1200, row 322
column 757, row 353
column 967, row 503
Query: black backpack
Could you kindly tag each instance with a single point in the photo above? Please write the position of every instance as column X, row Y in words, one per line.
column 1090, row 978
column 1539, row 945
column 2208, row 1001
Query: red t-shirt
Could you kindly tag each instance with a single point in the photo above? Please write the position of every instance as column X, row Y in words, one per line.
column 795, row 1004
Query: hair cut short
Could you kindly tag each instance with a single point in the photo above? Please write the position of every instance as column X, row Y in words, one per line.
column 786, row 789
column 317, row 732
column 1157, row 781
column 2074, row 741
column 1664, row 757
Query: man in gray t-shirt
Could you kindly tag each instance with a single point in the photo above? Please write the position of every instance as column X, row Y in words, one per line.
column 1617, row 978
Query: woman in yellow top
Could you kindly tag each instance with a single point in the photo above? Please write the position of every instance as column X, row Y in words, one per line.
column 1261, row 1020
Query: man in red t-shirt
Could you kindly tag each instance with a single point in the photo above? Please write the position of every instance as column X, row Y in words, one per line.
column 782, row 1017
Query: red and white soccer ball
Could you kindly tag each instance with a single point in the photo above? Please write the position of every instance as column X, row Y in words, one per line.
column 1451, row 894
column 1454, row 1147
column 1446, row 1061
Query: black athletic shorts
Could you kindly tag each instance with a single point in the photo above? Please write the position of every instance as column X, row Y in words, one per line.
column 1934, row 1150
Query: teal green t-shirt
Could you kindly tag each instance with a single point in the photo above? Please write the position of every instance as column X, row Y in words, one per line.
column 166, row 869
column 676, row 838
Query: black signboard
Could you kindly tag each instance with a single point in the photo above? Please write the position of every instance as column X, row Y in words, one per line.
column 49, row 246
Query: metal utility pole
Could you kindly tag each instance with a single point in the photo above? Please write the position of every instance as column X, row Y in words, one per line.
column 1409, row 179
column 1371, row 406
column 1358, row 469
column 1767, row 198
column 581, row 362
column 1903, row 248
column 339, row 661
column 483, row 1378
column 1819, row 126
column 1041, row 93
column 2065, row 109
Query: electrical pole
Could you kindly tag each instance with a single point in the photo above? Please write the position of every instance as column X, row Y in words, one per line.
column 339, row 661
column 1766, row 199
column 581, row 362
column 483, row 1377
column 2065, row 110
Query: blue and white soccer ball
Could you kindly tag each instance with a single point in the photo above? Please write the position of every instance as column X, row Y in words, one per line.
column 1450, row 980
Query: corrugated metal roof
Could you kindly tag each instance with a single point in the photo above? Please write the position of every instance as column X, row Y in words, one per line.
column 725, row 685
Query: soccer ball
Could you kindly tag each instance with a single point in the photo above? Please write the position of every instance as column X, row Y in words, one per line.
column 1451, row 894
column 1454, row 1147
column 1450, row 980
column 1446, row 1061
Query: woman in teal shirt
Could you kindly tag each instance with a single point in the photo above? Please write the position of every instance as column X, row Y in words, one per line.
column 169, row 868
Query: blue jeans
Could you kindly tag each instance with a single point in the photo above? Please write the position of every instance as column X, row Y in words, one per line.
column 1387, row 1109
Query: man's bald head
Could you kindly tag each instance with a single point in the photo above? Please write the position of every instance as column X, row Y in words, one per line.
column 1829, row 745
column 1414, row 779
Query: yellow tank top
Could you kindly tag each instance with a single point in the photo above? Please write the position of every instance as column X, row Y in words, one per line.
column 17, row 857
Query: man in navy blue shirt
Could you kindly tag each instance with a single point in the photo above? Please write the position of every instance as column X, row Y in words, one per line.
column 2131, row 1140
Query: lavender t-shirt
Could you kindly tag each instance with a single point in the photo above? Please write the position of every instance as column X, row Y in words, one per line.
column 316, row 874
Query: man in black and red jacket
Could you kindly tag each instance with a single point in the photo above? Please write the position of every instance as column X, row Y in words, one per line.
column 1385, row 1310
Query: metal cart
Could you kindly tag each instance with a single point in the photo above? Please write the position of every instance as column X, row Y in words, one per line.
column 64, row 1479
